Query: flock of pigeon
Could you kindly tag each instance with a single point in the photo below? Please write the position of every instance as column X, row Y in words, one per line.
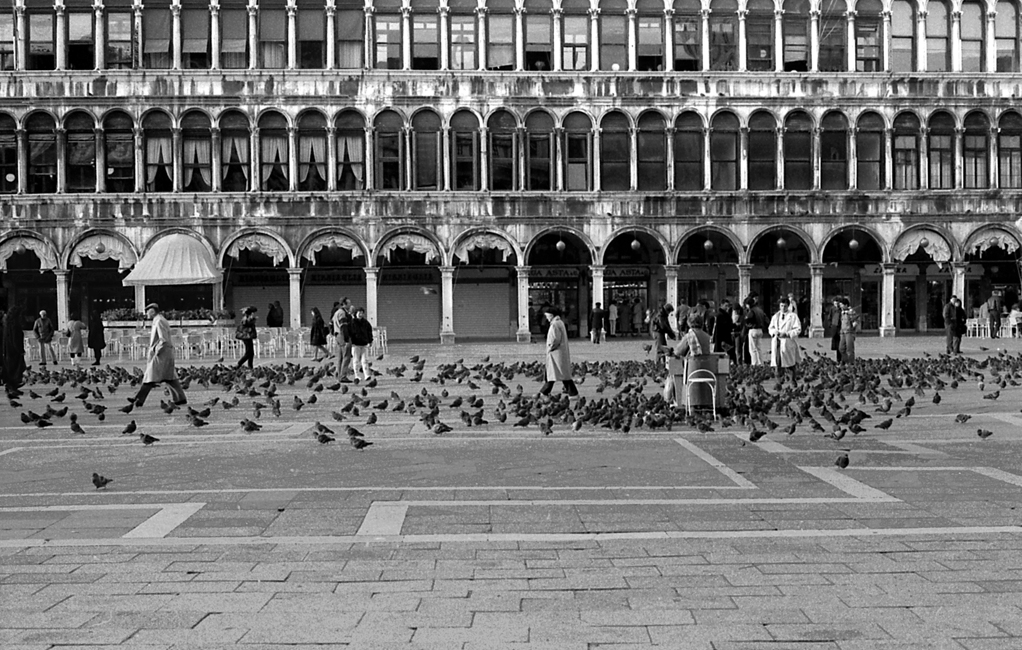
column 825, row 398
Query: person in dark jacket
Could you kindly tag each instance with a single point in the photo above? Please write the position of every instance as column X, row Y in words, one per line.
column 740, row 334
column 12, row 347
column 950, row 327
column 317, row 335
column 597, row 318
column 44, row 331
column 247, row 334
column 722, row 332
column 360, row 331
column 275, row 315
column 662, row 330
column 97, row 335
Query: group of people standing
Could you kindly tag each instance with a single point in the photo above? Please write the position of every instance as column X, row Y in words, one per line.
column 354, row 335
column 620, row 318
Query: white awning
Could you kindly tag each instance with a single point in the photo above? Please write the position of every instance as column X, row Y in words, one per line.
column 175, row 259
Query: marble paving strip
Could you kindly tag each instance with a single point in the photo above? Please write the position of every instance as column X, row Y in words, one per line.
column 848, row 484
column 168, row 516
column 383, row 518
column 997, row 474
column 10, row 451
column 738, row 479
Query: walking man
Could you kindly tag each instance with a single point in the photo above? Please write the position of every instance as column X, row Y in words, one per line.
column 949, row 326
column 849, row 326
column 341, row 322
column 784, row 330
column 558, row 357
column 598, row 317
column 160, row 366
column 756, row 320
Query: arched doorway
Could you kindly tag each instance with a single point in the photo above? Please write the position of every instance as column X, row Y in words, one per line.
column 780, row 266
column 923, row 278
column 707, row 268
column 634, row 278
column 334, row 266
column 485, row 287
column 558, row 275
column 852, row 267
column 96, row 267
column 992, row 270
column 409, row 302
column 24, row 262
column 256, row 273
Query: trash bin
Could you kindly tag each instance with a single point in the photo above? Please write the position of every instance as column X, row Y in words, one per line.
column 702, row 397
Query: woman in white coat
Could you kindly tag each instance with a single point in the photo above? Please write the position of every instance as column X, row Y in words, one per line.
column 558, row 357
column 784, row 330
column 160, row 368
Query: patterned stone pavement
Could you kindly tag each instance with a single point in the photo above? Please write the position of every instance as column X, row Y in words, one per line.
column 500, row 537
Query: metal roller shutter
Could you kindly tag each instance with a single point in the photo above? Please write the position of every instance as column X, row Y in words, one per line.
column 409, row 313
column 483, row 310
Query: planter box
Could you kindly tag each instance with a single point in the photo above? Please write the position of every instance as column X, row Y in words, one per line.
column 128, row 324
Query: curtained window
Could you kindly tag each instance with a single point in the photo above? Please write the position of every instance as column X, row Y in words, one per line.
column 1009, row 150
column 688, row 152
column 652, row 150
column 615, row 153
column 500, row 54
column 234, row 155
column 350, row 132
column 233, row 39
column 759, row 35
column 975, row 152
column 941, row 147
column 724, row 154
column 870, row 152
column 464, row 151
column 539, row 44
column 906, row 152
column 613, row 36
column 81, row 153
column 273, row 154
column 312, row 156
column 350, row 41
column 868, row 43
column 389, row 152
column 539, row 131
column 723, row 35
column 425, row 41
column 159, row 161
column 688, row 30
column 156, row 53
column 576, row 42
column 197, row 151
column 463, row 42
column 834, row 152
column 311, row 38
column 388, row 41
column 272, row 38
column 119, row 143
column 195, row 38
column 427, row 154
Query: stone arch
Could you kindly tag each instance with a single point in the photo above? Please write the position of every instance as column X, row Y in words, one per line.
column 725, row 233
column 885, row 253
column 326, row 237
column 266, row 242
column 415, row 239
column 18, row 240
column 935, row 240
column 991, row 235
column 665, row 246
column 485, row 238
column 581, row 236
column 807, row 241
column 101, row 245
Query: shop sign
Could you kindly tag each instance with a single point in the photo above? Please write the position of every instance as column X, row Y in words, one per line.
column 408, row 276
column 626, row 272
column 267, row 277
column 552, row 272
column 336, row 276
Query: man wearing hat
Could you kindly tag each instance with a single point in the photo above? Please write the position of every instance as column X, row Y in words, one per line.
column 558, row 357
column 160, row 368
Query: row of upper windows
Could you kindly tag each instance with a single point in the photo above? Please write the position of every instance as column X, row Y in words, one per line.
column 429, row 157
column 274, row 37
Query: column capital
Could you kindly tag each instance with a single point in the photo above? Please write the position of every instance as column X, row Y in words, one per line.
column 523, row 271
column 293, row 271
column 889, row 267
column 671, row 270
column 371, row 271
column 744, row 268
column 959, row 266
column 447, row 270
column 816, row 268
column 991, row 16
column 175, row 9
column 60, row 273
column 597, row 268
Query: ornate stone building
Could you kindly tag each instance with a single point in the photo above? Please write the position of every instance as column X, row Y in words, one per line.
column 450, row 164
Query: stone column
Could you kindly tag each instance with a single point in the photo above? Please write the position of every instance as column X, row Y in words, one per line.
column 559, row 158
column 995, row 163
column 99, row 31
column 597, row 182
column 885, row 65
column 814, row 40
column 594, row 39
column 140, row 298
column 597, row 272
column 481, row 41
column 445, row 37
column 484, row 159
column 669, row 154
column 671, row 273
column 779, row 157
column 215, row 160
column 633, row 40
column 887, row 325
column 633, row 158
column 21, row 135
column 959, row 167
column 63, row 301
column 956, row 41
column 218, row 295
column 136, row 38
column 778, row 41
column 446, row 156
column 254, row 157
column 888, row 159
column 331, row 158
column 175, row 35
column 744, row 281
column 990, row 43
column 704, row 41
column 520, row 38
column 369, row 161
column 743, row 40
column 853, row 157
column 958, row 279
column 214, row 35
column 407, row 137
column 60, row 135
column 176, row 158
column 253, row 35
column 669, row 40
column 406, row 38
column 816, row 300
column 331, row 35
column 100, row 160
column 60, row 23
column 292, row 158
column 294, row 281
column 20, row 44
column 447, row 298
column 372, row 278
column 921, row 41
column 292, row 35
column 814, row 156
column 524, row 334
column 368, row 34
column 924, row 158
column 707, row 176
column 743, row 158
column 558, row 39
column 139, row 159
column 851, row 62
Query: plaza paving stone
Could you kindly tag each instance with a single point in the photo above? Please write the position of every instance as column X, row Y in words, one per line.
column 498, row 537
